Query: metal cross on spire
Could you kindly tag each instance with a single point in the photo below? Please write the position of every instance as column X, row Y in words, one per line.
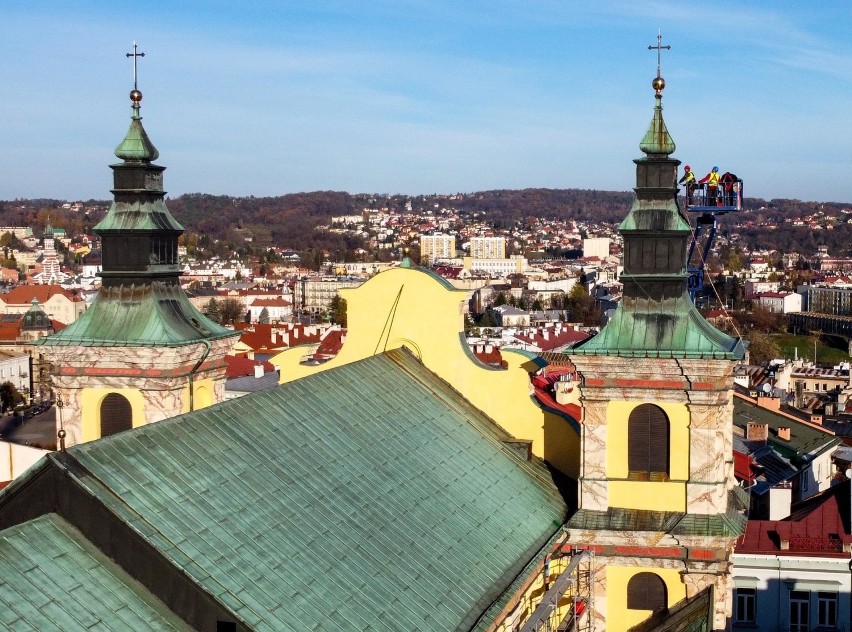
column 659, row 48
column 136, row 55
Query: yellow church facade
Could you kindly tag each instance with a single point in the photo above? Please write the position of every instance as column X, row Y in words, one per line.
column 415, row 308
column 650, row 451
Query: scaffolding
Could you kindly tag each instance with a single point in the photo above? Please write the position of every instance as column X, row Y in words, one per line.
column 568, row 604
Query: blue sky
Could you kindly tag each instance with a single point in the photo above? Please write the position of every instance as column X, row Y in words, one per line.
column 424, row 96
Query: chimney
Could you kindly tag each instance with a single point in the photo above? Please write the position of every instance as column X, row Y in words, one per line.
column 784, row 433
column 258, row 370
column 800, row 394
column 545, row 334
column 771, row 403
column 489, row 348
column 757, row 432
column 816, row 419
column 780, row 499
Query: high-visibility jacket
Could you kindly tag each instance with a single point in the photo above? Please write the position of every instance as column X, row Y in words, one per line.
column 688, row 178
column 712, row 179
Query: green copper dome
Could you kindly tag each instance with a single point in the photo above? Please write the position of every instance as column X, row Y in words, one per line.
column 35, row 318
column 136, row 145
column 657, row 139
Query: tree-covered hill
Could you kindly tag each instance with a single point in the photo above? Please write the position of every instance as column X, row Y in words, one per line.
column 290, row 220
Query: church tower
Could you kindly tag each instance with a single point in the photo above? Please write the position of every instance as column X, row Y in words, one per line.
column 657, row 500
column 51, row 270
column 142, row 352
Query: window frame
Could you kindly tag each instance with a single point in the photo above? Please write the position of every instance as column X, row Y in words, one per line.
column 648, row 443
column 829, row 600
column 802, row 598
column 745, row 599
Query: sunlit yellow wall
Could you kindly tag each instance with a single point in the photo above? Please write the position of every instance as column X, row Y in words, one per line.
column 409, row 306
column 561, row 445
column 530, row 598
column 660, row 496
column 90, row 409
column 202, row 394
column 618, row 617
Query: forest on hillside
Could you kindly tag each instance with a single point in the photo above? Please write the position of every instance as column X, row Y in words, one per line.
column 289, row 221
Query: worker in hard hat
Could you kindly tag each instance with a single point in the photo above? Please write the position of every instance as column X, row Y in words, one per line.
column 688, row 180
column 712, row 181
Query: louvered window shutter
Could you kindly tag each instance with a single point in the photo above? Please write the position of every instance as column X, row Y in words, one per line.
column 116, row 414
column 647, row 591
column 648, row 440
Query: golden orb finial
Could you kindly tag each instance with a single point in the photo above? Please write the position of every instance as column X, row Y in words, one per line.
column 135, row 96
column 658, row 84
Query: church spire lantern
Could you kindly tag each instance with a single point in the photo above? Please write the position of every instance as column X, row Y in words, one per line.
column 142, row 352
column 657, row 317
column 139, row 235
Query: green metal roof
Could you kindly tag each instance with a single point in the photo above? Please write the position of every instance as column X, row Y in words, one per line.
column 672, row 328
column 147, row 215
column 730, row 523
column 35, row 318
column 655, row 216
column 804, row 439
column 136, row 145
column 150, row 315
column 52, row 578
column 657, row 140
column 370, row 496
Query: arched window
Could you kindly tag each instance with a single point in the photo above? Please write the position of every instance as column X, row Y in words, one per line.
column 648, row 440
column 647, row 591
column 116, row 414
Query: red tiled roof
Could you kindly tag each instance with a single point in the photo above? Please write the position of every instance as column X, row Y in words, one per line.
column 332, row 343
column 259, row 336
column 9, row 331
column 548, row 401
column 249, row 292
column 544, row 385
column 566, row 336
column 818, row 527
column 240, row 366
column 449, row 272
column 492, row 357
column 24, row 294
column 270, row 302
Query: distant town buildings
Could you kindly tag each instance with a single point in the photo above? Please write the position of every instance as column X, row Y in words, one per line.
column 488, row 247
column 436, row 247
column 596, row 247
